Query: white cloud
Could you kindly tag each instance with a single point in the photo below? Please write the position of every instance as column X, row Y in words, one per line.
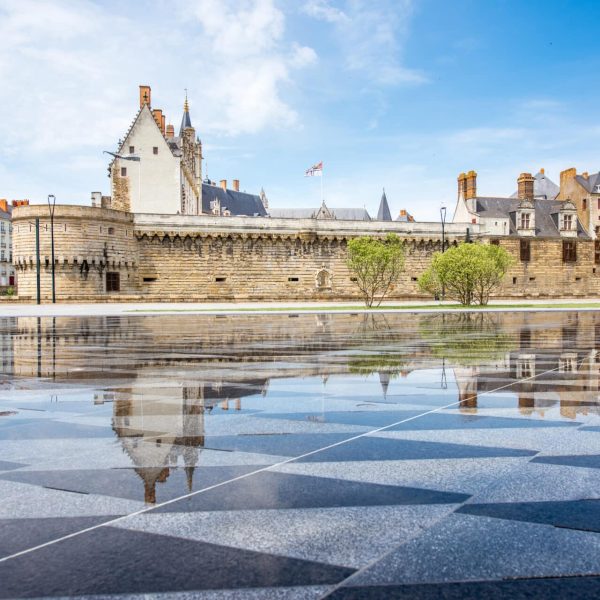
column 371, row 36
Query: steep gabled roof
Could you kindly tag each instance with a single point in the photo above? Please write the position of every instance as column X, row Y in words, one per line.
column 591, row 183
column 186, row 121
column 237, row 203
column 384, row 214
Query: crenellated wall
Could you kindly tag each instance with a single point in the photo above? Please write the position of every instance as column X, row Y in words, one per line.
column 211, row 258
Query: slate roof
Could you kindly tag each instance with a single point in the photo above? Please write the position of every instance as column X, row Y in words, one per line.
column 342, row 214
column 384, row 214
column 543, row 187
column 5, row 215
column 591, row 184
column 185, row 120
column 237, row 203
column 546, row 211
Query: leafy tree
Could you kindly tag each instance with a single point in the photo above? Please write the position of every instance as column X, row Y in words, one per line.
column 377, row 264
column 467, row 272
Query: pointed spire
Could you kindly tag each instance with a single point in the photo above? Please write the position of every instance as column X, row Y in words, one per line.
column 384, row 380
column 185, row 121
column 384, row 214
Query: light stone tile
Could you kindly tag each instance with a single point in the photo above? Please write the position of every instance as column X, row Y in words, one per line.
column 351, row 536
column 539, row 482
column 24, row 501
column 468, row 548
column 467, row 476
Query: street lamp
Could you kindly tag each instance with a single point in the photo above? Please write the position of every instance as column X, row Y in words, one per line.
column 443, row 219
column 51, row 207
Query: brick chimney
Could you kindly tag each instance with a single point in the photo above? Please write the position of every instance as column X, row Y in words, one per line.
column 145, row 95
column 585, row 175
column 462, row 185
column 224, row 183
column 4, row 205
column 543, row 171
column 170, row 131
column 158, row 117
column 236, row 185
column 163, row 123
column 471, row 189
column 525, row 186
column 20, row 202
column 566, row 175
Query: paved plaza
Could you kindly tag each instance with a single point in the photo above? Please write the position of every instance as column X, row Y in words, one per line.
column 290, row 455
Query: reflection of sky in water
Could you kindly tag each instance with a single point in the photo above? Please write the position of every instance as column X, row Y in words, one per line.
column 169, row 393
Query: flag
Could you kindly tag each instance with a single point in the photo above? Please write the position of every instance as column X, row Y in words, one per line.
column 315, row 170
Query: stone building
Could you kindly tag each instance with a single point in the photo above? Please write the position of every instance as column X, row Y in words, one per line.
column 584, row 192
column 7, row 271
column 554, row 254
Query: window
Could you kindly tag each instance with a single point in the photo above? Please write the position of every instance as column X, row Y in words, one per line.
column 131, row 150
column 569, row 251
column 525, row 250
column 113, row 282
column 149, row 279
column 585, row 204
column 293, row 279
column 525, row 220
column 567, row 222
column 598, row 203
column 220, row 279
column 597, row 252
column 111, row 231
column 155, row 150
column 123, row 172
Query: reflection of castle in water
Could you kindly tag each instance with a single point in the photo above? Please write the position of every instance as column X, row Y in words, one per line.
column 162, row 430
column 545, row 359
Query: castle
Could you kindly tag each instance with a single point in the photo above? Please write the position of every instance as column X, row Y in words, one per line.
column 167, row 233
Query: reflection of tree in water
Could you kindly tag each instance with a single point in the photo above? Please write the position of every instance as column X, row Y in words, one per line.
column 466, row 338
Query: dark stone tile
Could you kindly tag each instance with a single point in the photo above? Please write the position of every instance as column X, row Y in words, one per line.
column 574, row 588
column 576, row 514
column 6, row 465
column 19, row 534
column 145, row 483
column 40, row 429
column 379, row 448
column 590, row 461
column 365, row 418
column 290, row 444
column 453, row 421
column 269, row 489
column 109, row 560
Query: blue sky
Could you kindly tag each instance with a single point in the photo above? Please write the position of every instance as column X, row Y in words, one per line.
column 401, row 94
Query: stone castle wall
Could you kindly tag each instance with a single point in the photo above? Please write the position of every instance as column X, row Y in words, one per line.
column 88, row 243
column 209, row 258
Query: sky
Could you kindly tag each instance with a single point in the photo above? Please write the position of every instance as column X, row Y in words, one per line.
column 395, row 94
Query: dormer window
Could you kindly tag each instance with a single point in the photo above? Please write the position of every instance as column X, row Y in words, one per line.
column 525, row 220
column 131, row 149
column 567, row 223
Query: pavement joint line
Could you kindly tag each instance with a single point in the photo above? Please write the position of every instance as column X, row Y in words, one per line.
column 348, row 579
column 261, row 470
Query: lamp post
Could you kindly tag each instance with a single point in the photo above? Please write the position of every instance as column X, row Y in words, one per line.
column 443, row 220
column 51, row 206
column 37, row 258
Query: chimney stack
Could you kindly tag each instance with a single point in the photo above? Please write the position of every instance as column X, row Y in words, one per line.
column 20, row 202
column 236, row 185
column 471, row 185
column 97, row 199
column 224, row 183
column 525, row 186
column 158, row 117
column 145, row 95
column 462, row 185
column 543, row 171
column 585, row 175
column 4, row 205
column 170, row 131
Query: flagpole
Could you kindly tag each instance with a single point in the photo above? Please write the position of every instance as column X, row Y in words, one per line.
column 322, row 199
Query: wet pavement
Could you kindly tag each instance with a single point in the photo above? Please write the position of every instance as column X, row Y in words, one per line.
column 301, row 456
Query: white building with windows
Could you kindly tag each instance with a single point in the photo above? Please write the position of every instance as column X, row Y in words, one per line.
column 7, row 271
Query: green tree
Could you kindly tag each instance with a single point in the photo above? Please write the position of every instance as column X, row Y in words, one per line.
column 377, row 265
column 468, row 272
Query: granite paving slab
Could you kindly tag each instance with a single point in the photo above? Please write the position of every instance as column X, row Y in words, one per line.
column 89, row 564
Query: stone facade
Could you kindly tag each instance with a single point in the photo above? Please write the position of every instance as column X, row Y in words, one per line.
column 212, row 258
